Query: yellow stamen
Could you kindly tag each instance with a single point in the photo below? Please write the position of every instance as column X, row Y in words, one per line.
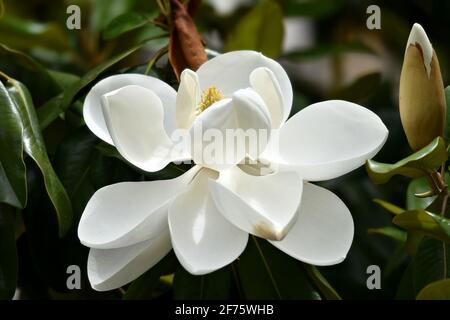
column 209, row 97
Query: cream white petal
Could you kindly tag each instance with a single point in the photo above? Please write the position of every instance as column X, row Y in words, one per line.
column 110, row 269
column 92, row 108
column 231, row 71
column 228, row 130
column 134, row 117
column 203, row 240
column 265, row 83
column 419, row 36
column 188, row 98
column 323, row 232
column 327, row 139
column 126, row 213
column 265, row 206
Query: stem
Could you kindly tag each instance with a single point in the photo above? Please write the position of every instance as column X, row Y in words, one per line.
column 443, row 211
column 4, row 75
column 236, row 279
column 155, row 58
column 432, row 183
column 266, row 265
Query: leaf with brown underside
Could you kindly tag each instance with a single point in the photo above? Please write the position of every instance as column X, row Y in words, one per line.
column 186, row 48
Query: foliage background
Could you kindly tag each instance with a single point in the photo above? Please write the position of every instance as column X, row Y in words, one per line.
column 328, row 53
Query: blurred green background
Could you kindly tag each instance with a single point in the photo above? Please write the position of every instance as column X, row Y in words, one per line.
column 328, row 53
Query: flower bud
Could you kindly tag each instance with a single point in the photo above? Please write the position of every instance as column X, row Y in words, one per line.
column 422, row 99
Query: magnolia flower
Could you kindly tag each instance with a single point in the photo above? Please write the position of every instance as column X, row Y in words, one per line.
column 207, row 214
column 422, row 98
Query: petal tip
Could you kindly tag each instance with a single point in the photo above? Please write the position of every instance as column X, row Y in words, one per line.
column 418, row 36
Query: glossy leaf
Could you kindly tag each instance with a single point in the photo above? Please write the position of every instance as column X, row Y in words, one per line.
column 34, row 146
column 416, row 165
column 419, row 185
column 33, row 74
column 406, row 290
column 214, row 285
column 72, row 163
column 319, row 280
column 267, row 273
column 431, row 263
column 260, row 30
column 144, row 286
column 425, row 222
column 8, row 253
column 53, row 110
column 13, row 185
column 63, row 79
column 21, row 33
column 439, row 290
column 103, row 12
column 124, row 23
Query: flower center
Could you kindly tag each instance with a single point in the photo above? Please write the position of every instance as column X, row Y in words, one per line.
column 209, row 97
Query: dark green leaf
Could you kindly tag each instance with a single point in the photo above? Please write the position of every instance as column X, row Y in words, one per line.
column 13, row 188
column 64, row 79
column 406, row 290
column 73, row 166
column 8, row 254
column 169, row 172
column 126, row 22
column 103, row 12
column 267, row 273
column 416, row 165
column 144, row 286
column 23, row 33
column 439, row 290
column 34, row 146
column 32, row 73
column 260, row 30
column 214, row 285
column 49, row 111
column 431, row 263
column 53, row 110
column 319, row 280
column 360, row 89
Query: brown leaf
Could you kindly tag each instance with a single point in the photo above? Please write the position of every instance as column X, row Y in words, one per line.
column 186, row 48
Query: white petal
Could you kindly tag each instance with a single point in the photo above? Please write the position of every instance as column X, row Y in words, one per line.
column 188, row 98
column 265, row 83
column 110, row 269
column 126, row 213
column 227, row 131
column 231, row 71
column 419, row 36
column 92, row 109
column 134, row 117
column 265, row 206
column 328, row 139
column 202, row 238
column 323, row 232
